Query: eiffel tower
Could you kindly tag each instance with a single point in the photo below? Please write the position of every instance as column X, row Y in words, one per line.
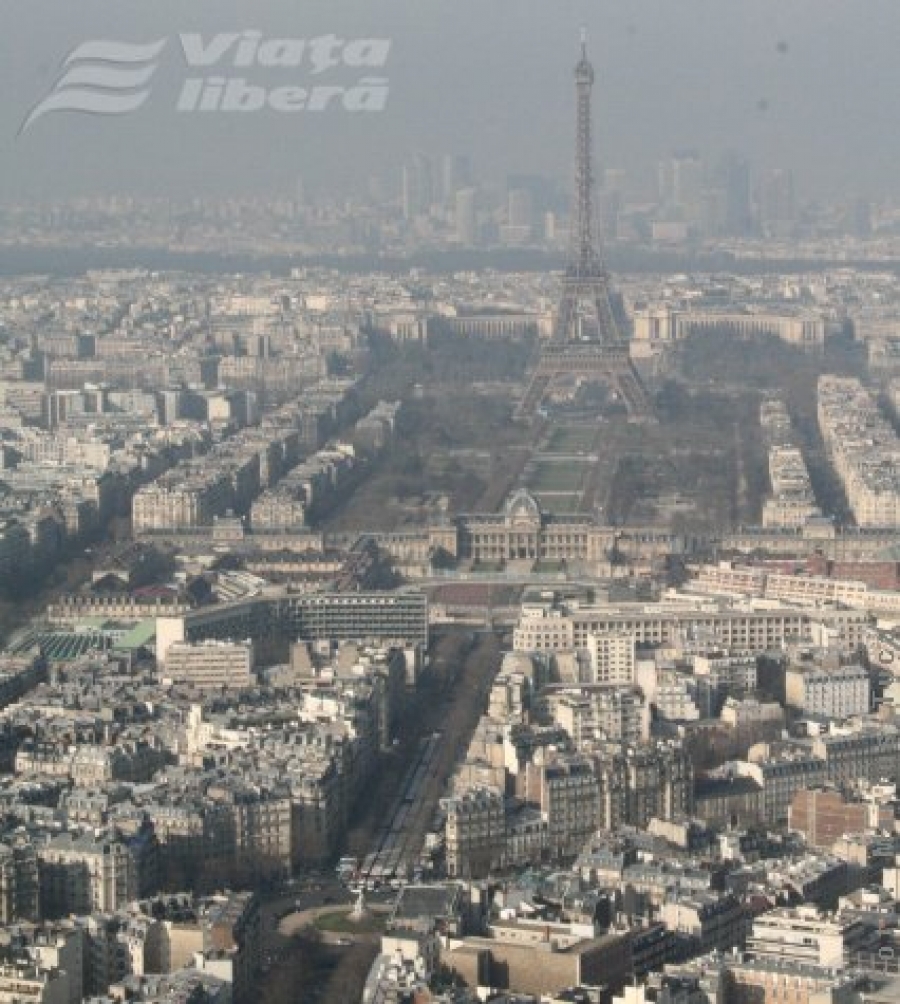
column 592, row 353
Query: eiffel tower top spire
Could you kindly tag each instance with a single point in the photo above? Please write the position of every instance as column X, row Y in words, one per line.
column 585, row 257
column 584, row 66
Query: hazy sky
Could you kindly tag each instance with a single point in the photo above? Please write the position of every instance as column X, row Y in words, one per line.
column 811, row 84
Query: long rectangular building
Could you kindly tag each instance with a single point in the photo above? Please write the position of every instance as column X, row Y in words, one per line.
column 398, row 618
column 552, row 627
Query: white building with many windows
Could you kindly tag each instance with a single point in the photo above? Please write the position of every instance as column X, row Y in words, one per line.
column 828, row 693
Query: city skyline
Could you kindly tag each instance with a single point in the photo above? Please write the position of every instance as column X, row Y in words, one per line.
column 790, row 88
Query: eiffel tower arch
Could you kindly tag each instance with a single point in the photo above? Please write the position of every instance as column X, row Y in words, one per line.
column 587, row 344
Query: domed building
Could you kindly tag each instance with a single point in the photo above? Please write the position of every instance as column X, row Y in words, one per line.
column 522, row 531
column 523, row 511
column 523, row 534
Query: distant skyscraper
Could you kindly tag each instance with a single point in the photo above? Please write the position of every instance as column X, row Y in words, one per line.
column 465, row 217
column 418, row 186
column 777, row 203
column 665, row 183
column 733, row 177
column 519, row 225
column 520, row 208
column 456, row 173
column 680, row 181
column 688, row 180
column 542, row 189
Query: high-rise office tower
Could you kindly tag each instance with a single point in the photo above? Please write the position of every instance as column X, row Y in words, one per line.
column 680, row 186
column 418, row 186
column 519, row 224
column 733, row 177
column 687, row 182
column 456, row 173
column 542, row 189
column 520, row 208
column 777, row 203
column 465, row 217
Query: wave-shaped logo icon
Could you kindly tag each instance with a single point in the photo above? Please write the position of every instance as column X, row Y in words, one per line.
column 101, row 78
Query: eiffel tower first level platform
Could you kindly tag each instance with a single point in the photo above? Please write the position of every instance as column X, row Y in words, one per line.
column 588, row 362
